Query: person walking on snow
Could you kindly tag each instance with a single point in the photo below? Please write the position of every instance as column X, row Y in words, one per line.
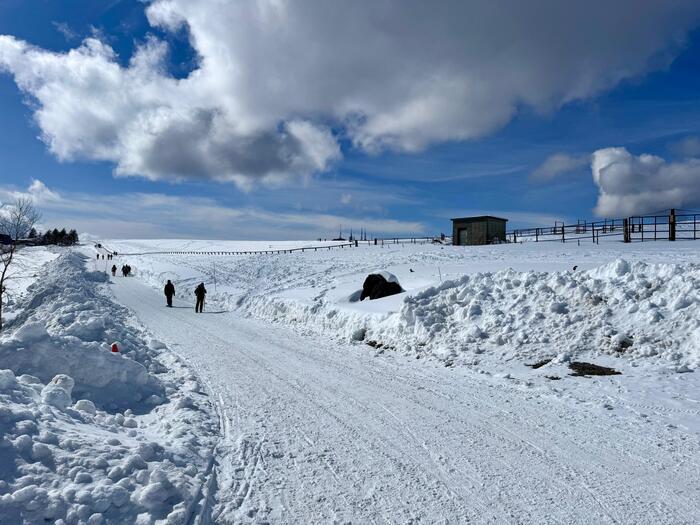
column 114, row 270
column 200, row 292
column 169, row 292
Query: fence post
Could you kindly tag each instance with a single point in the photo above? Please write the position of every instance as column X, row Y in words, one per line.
column 626, row 230
column 672, row 225
column 563, row 234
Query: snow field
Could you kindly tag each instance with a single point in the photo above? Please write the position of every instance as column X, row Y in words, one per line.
column 90, row 436
column 465, row 305
column 323, row 419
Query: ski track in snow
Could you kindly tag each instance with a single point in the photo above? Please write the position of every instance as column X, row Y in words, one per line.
column 314, row 430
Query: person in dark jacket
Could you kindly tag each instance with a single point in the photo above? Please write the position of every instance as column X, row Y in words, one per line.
column 169, row 292
column 114, row 270
column 200, row 292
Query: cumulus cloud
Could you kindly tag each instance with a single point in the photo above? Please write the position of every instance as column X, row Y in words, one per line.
column 630, row 184
column 279, row 83
column 558, row 164
column 37, row 191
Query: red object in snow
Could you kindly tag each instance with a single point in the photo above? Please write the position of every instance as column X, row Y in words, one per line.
column 115, row 348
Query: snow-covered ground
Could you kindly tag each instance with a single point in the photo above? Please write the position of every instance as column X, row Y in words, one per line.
column 23, row 271
column 414, row 408
column 466, row 304
column 328, row 415
column 88, row 435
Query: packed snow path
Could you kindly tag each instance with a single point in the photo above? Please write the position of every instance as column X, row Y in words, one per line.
column 315, row 431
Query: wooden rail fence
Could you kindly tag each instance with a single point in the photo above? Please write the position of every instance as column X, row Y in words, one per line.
column 669, row 226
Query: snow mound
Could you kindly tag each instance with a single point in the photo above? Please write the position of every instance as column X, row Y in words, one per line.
column 628, row 309
column 88, row 436
column 88, row 466
column 66, row 327
column 635, row 310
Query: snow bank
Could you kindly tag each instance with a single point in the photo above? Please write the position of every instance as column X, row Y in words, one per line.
column 636, row 310
column 87, row 436
column 26, row 265
column 67, row 327
column 63, row 464
column 465, row 303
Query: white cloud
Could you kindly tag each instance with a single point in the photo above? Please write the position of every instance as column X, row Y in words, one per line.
column 37, row 191
column 66, row 31
column 559, row 164
column 156, row 215
column 274, row 76
column 630, row 184
column 688, row 147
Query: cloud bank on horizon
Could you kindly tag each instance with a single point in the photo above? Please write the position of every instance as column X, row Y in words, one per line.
column 279, row 85
column 158, row 215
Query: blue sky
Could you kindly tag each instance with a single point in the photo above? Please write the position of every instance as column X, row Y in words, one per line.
column 386, row 182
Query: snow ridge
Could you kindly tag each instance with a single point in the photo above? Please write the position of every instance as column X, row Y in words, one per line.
column 89, row 436
column 636, row 310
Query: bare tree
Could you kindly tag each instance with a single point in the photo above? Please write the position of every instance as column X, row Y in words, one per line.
column 16, row 221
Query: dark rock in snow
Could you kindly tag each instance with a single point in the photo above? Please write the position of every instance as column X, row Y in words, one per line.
column 581, row 368
column 377, row 286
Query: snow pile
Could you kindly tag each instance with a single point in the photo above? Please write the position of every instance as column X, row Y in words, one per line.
column 67, row 327
column 26, row 264
column 108, row 438
column 633, row 309
column 636, row 310
column 466, row 303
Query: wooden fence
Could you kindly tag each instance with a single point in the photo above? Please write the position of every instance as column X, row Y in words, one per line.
column 349, row 244
column 669, row 226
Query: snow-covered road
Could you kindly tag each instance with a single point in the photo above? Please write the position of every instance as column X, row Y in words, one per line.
column 319, row 431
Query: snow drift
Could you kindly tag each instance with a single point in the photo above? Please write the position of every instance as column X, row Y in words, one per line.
column 468, row 304
column 87, row 436
column 67, row 327
column 633, row 310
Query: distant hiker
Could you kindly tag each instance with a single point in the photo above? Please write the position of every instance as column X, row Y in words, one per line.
column 114, row 270
column 124, row 270
column 98, row 255
column 169, row 292
column 200, row 292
